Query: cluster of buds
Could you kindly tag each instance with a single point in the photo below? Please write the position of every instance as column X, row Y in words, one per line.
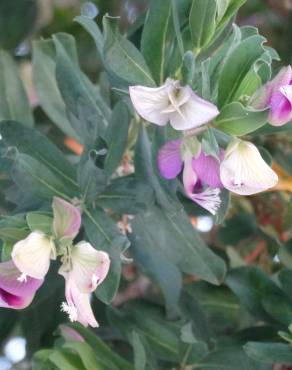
column 239, row 167
column 82, row 266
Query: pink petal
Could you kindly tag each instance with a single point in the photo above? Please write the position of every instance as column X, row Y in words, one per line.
column 281, row 106
column 207, row 169
column 209, row 198
column 67, row 219
column 169, row 160
column 78, row 304
column 70, row 333
column 14, row 293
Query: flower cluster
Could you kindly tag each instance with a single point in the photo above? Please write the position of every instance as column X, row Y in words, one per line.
column 82, row 266
column 239, row 167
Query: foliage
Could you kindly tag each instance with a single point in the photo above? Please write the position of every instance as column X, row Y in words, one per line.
column 204, row 305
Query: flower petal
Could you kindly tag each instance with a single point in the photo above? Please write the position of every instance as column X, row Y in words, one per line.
column 281, row 106
column 89, row 266
column 243, row 170
column 67, row 219
column 78, row 304
column 150, row 102
column 207, row 169
column 193, row 113
column 169, row 160
column 13, row 292
column 32, row 255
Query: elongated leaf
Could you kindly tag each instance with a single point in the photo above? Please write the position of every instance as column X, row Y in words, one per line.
column 33, row 143
column 116, row 137
column 235, row 119
column 202, row 22
column 269, row 353
column 44, row 70
column 126, row 195
column 85, row 111
column 85, row 353
column 122, row 58
column 14, row 104
column 94, row 31
column 237, row 67
column 156, row 37
column 35, row 178
column 139, row 352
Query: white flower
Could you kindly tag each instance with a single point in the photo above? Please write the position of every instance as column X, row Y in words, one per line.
column 243, row 171
column 174, row 103
column 32, row 255
column 84, row 269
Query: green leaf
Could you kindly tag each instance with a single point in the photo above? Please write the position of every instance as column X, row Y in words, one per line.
column 103, row 234
column 210, row 145
column 14, row 102
column 202, row 22
column 86, row 111
column 228, row 359
column 92, row 179
column 121, row 57
column 237, row 66
column 139, row 352
column 94, row 31
column 126, row 195
column 237, row 120
column 85, row 353
column 35, row 178
column 224, row 206
column 231, row 10
column 44, row 69
column 104, row 353
column 269, row 353
column 30, row 141
column 162, row 336
column 39, row 221
column 119, row 123
column 181, row 247
column 252, row 286
column 66, row 360
column 156, row 38
column 188, row 68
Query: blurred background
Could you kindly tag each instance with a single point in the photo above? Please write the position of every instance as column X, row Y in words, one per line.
column 22, row 21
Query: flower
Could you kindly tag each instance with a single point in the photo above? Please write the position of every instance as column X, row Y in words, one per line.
column 197, row 171
column 174, row 103
column 67, row 219
column 14, row 293
column 277, row 94
column 32, row 255
column 84, row 268
column 243, row 171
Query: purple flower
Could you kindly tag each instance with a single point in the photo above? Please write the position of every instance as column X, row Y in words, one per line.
column 277, row 94
column 14, row 292
column 198, row 171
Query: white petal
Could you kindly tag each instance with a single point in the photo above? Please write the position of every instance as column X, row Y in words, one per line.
column 32, row 255
column 89, row 266
column 78, row 304
column 193, row 113
column 150, row 102
column 243, row 170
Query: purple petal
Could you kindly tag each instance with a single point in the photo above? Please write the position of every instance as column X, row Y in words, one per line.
column 207, row 169
column 281, row 108
column 14, row 293
column 169, row 160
